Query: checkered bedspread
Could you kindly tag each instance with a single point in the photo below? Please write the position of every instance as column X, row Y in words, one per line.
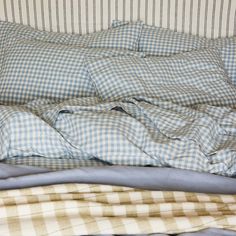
column 82, row 209
column 138, row 131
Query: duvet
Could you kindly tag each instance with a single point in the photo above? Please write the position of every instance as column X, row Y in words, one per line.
column 137, row 131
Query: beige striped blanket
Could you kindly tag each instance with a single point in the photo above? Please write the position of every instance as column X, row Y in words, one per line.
column 81, row 209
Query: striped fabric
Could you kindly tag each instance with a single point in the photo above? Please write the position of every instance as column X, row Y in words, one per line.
column 86, row 209
column 210, row 18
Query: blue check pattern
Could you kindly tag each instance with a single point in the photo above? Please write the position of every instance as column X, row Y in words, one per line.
column 35, row 69
column 137, row 131
column 120, row 38
column 156, row 41
column 196, row 77
column 54, row 164
column 51, row 67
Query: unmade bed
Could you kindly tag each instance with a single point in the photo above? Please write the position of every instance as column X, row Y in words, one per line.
column 118, row 117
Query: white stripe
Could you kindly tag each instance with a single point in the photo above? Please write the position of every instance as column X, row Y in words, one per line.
column 187, row 16
column 9, row 10
column 39, row 14
column 157, row 10
column 53, row 16
column 68, row 16
column 202, row 19
column 172, row 14
column 76, row 14
column 142, row 13
column 135, row 10
column 217, row 20
column 112, row 12
column 2, row 14
column 16, row 10
column 164, row 14
column 180, row 15
column 224, row 19
column 83, row 15
column 209, row 18
column 149, row 10
column 194, row 17
column 31, row 11
column 231, row 18
column 46, row 15
column 120, row 9
column 105, row 14
column 127, row 10
column 98, row 17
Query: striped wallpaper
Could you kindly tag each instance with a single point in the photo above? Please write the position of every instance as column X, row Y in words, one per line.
column 209, row 18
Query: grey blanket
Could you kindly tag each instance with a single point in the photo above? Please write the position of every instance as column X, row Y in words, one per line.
column 150, row 178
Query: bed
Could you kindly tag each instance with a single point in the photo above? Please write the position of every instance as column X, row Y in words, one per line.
column 118, row 117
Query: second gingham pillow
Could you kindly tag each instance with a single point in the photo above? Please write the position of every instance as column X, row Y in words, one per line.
column 190, row 78
column 157, row 41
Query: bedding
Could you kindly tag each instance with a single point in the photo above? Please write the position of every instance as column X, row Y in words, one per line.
column 120, row 38
column 182, row 107
column 55, row 164
column 191, row 78
column 147, row 178
column 93, row 136
column 100, row 209
column 200, row 138
column 36, row 69
column 39, row 63
column 157, row 41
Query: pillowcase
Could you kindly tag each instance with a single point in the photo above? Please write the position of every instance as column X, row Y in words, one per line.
column 35, row 69
column 156, row 41
column 190, row 78
column 124, row 37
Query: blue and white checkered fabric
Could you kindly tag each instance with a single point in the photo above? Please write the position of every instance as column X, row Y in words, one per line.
column 135, row 131
column 227, row 48
column 164, row 42
column 190, row 78
column 11, row 36
column 24, row 134
column 156, row 41
column 35, row 69
column 125, row 37
column 54, row 164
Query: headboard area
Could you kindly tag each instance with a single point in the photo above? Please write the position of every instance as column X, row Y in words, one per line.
column 208, row 18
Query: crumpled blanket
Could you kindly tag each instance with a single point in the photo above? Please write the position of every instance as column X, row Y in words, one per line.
column 85, row 209
column 134, row 131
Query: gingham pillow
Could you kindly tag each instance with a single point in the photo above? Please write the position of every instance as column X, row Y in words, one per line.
column 156, row 41
column 36, row 69
column 227, row 48
column 190, row 78
column 125, row 37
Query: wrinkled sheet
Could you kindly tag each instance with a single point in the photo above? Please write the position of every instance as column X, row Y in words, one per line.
column 148, row 178
column 135, row 131
column 85, row 209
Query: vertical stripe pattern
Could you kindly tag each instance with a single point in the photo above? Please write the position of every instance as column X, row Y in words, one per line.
column 208, row 18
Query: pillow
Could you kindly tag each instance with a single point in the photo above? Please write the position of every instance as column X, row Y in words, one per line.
column 190, row 78
column 157, row 41
column 36, row 69
column 124, row 37
column 227, row 47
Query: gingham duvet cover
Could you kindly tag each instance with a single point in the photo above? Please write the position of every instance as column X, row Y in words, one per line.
column 86, row 209
column 200, row 138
